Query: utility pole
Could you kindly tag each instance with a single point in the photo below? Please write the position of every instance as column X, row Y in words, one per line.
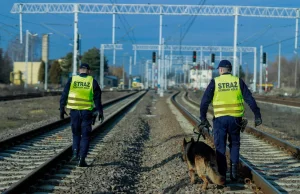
column 260, row 69
column 76, row 10
column 152, row 75
column 45, row 57
column 296, row 47
column 113, row 34
column 123, row 76
column 236, row 10
column 255, row 71
column 31, row 56
column 147, row 75
column 279, row 64
column 130, row 63
column 266, row 80
column 160, row 86
column 79, row 49
column 26, row 57
column 123, row 72
column 101, row 72
column 21, row 23
column 246, row 74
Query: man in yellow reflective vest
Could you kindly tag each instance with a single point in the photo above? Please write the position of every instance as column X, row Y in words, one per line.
column 227, row 94
column 82, row 95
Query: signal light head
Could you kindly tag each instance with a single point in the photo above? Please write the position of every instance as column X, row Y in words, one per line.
column 153, row 57
column 194, row 56
column 264, row 58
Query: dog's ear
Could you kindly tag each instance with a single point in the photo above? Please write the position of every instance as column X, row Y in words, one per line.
column 192, row 140
column 184, row 141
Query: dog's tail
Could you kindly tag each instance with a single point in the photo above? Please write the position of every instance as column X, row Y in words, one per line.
column 213, row 174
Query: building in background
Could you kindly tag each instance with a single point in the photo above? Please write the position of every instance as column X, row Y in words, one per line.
column 110, row 81
column 201, row 80
column 18, row 76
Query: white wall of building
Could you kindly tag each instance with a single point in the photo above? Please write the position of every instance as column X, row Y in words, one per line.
column 202, row 80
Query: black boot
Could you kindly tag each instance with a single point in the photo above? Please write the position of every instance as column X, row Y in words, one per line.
column 82, row 162
column 74, row 155
column 234, row 172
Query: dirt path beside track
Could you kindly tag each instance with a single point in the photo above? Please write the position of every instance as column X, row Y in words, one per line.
column 142, row 154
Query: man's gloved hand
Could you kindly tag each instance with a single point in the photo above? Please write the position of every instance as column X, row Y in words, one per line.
column 95, row 114
column 244, row 123
column 204, row 124
column 101, row 118
column 63, row 113
column 258, row 122
column 99, row 115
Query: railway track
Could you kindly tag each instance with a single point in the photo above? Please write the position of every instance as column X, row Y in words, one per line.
column 24, row 158
column 271, row 163
column 42, row 94
column 279, row 100
column 29, row 95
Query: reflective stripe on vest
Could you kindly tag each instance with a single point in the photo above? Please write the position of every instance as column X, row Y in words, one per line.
column 228, row 99
column 81, row 93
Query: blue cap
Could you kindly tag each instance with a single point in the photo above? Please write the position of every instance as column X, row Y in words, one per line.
column 225, row 63
column 84, row 66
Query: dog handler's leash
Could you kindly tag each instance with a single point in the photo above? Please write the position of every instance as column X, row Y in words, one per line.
column 200, row 133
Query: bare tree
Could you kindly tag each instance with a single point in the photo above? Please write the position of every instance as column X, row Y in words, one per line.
column 16, row 51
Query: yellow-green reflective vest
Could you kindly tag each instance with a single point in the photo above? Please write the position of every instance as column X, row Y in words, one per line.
column 81, row 93
column 228, row 99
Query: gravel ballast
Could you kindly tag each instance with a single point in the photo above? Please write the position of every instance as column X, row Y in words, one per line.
column 142, row 154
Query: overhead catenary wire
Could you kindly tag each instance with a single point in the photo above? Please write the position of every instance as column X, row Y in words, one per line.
column 132, row 39
column 274, row 43
column 44, row 25
column 57, row 32
column 7, row 31
column 201, row 3
column 261, row 34
column 192, row 18
column 277, row 42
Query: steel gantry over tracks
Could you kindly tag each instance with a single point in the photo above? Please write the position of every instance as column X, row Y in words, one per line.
column 157, row 9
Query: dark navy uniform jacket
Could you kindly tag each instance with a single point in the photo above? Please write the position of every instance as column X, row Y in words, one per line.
column 209, row 94
column 96, row 90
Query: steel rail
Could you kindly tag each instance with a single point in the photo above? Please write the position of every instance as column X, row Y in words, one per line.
column 28, row 95
column 247, row 171
column 281, row 101
column 17, row 139
column 25, row 182
column 42, row 94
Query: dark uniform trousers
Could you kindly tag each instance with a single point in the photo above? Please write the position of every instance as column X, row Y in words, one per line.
column 222, row 126
column 81, row 123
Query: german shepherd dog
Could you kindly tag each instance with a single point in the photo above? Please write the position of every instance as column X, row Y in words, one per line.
column 201, row 158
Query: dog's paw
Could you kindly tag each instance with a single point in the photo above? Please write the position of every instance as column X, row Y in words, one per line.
column 204, row 186
column 192, row 176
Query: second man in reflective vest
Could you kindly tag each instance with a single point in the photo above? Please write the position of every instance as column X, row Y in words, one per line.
column 227, row 94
